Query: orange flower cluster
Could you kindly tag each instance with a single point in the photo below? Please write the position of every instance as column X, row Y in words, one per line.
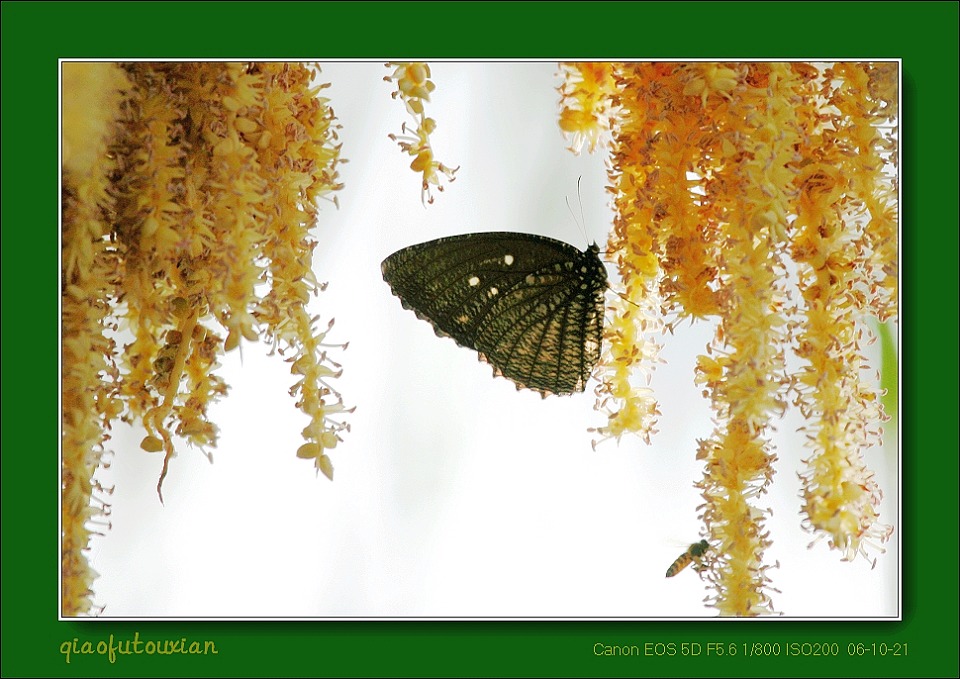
column 196, row 185
column 727, row 178
column 91, row 100
column 414, row 88
column 586, row 93
column 846, row 247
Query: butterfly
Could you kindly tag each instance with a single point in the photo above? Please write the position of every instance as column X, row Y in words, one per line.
column 531, row 306
column 694, row 554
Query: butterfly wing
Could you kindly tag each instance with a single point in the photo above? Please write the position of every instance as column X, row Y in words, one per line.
column 531, row 306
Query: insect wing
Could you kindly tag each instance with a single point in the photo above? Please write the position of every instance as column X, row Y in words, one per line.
column 531, row 306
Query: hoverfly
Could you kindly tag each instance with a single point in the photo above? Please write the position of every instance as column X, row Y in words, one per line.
column 694, row 554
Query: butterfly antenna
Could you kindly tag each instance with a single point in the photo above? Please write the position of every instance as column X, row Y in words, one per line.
column 573, row 216
column 580, row 200
column 582, row 222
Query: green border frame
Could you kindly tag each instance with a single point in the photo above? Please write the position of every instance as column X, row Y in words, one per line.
column 35, row 35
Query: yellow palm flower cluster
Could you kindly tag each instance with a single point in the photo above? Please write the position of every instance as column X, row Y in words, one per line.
column 733, row 186
column 587, row 93
column 91, row 101
column 413, row 88
column 189, row 190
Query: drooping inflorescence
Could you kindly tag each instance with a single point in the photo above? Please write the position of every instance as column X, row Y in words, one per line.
column 189, row 192
column 761, row 197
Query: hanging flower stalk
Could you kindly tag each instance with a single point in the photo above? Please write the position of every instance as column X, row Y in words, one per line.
column 845, row 245
column 203, row 187
column 413, row 88
column 722, row 173
column 588, row 105
column 91, row 100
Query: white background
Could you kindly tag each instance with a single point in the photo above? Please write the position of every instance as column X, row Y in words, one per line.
column 455, row 494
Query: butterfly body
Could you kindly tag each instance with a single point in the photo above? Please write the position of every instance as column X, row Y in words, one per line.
column 693, row 554
column 531, row 306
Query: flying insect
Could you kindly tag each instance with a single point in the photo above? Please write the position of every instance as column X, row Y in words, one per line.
column 694, row 554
